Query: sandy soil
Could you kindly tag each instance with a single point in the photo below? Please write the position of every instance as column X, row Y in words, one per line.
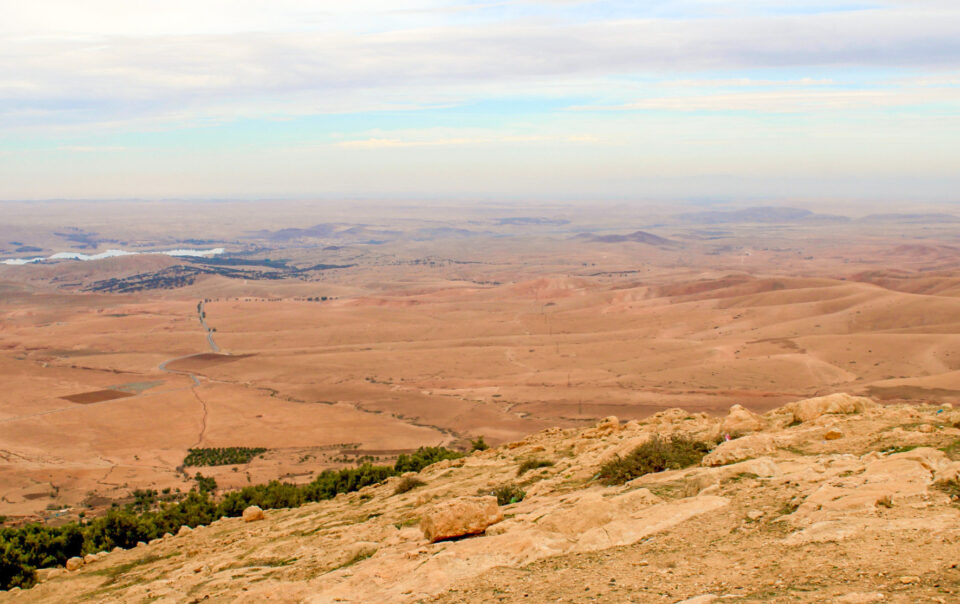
column 427, row 342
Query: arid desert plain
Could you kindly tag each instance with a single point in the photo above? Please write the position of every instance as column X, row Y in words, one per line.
column 330, row 337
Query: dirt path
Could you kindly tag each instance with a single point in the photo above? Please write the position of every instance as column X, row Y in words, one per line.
column 202, row 315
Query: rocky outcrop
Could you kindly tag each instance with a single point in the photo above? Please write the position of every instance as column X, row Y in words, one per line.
column 839, row 403
column 741, row 420
column 740, row 449
column 460, row 517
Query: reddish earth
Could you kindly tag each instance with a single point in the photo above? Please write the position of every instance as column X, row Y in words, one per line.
column 437, row 342
column 98, row 396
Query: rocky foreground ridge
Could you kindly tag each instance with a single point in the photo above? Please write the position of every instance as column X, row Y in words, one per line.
column 828, row 499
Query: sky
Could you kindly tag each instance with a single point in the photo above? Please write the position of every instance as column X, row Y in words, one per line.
column 515, row 99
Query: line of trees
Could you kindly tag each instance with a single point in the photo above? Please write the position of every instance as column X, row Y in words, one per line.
column 221, row 456
column 24, row 549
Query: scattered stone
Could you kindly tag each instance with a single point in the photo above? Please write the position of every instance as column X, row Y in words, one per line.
column 909, row 579
column 74, row 563
column 167, row 535
column 460, row 517
column 860, row 598
column 184, row 530
column 89, row 558
column 45, row 574
column 252, row 514
column 704, row 599
column 141, row 544
column 833, row 434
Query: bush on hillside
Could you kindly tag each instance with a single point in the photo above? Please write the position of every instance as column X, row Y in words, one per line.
column 655, row 455
column 508, row 493
column 408, row 483
column 533, row 464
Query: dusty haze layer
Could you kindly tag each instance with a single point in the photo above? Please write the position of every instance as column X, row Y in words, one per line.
column 333, row 333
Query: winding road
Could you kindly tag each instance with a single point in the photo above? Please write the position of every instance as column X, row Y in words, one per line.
column 202, row 315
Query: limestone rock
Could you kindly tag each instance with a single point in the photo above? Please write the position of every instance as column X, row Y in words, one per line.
column 741, row 420
column 74, row 563
column 833, row 434
column 860, row 598
column 184, row 530
column 740, row 449
column 252, row 514
column 839, row 403
column 89, row 558
column 704, row 599
column 607, row 426
column 460, row 517
column 45, row 574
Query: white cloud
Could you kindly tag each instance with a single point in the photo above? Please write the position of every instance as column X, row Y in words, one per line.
column 85, row 78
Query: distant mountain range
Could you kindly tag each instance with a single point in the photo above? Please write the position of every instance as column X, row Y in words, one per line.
column 780, row 215
column 764, row 214
column 636, row 237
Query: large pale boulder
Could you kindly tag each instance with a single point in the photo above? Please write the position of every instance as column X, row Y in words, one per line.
column 74, row 563
column 741, row 420
column 252, row 514
column 839, row 403
column 739, row 449
column 460, row 517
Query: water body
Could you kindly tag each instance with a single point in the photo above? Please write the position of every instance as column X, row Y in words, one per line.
column 111, row 254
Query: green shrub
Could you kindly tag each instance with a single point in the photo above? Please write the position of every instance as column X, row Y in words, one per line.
column 408, row 483
column 423, row 457
column 205, row 484
column 221, row 456
column 479, row 444
column 508, row 493
column 533, row 464
column 655, row 455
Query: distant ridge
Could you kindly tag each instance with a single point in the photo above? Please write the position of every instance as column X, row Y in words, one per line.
column 911, row 218
column 762, row 214
column 636, row 237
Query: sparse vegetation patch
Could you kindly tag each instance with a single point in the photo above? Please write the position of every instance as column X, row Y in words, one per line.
column 221, row 456
column 655, row 455
column 533, row 464
column 408, row 483
column 508, row 493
